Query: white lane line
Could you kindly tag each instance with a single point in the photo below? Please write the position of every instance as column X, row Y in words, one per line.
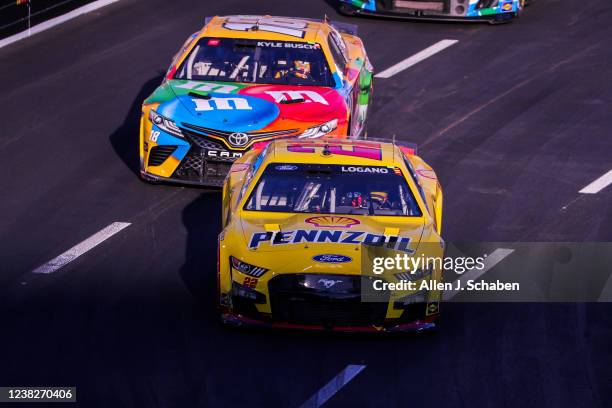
column 598, row 185
column 490, row 261
column 416, row 58
column 606, row 293
column 332, row 387
column 56, row 21
column 81, row 248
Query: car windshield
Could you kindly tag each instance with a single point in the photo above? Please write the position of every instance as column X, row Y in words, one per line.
column 254, row 61
column 333, row 189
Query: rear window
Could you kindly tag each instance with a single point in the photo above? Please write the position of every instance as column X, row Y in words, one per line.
column 333, row 189
column 255, row 61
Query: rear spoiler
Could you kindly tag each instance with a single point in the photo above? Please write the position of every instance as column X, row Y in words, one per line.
column 406, row 147
column 409, row 149
column 344, row 27
column 338, row 25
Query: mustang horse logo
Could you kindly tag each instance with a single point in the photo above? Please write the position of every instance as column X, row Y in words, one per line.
column 328, row 283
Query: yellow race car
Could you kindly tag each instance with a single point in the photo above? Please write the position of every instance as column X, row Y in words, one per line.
column 304, row 220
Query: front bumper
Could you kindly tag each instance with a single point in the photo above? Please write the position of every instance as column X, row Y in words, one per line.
column 192, row 160
column 418, row 326
column 210, row 182
column 298, row 301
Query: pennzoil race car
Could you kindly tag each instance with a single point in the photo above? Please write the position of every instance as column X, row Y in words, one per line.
column 302, row 220
column 493, row 11
column 248, row 79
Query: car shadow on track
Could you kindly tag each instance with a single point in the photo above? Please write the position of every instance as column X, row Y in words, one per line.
column 202, row 220
column 125, row 138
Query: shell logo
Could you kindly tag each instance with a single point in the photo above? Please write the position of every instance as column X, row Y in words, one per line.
column 332, row 221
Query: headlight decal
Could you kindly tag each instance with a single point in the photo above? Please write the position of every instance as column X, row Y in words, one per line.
column 320, row 130
column 247, row 269
column 165, row 124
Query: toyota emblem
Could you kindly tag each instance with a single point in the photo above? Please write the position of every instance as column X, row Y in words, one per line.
column 238, row 139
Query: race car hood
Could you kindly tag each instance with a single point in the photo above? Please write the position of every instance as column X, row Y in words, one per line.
column 329, row 233
column 312, row 243
column 246, row 108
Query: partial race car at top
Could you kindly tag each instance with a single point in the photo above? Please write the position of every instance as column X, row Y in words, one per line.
column 248, row 79
column 493, row 11
column 301, row 222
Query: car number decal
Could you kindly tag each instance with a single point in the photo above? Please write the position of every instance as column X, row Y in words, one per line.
column 366, row 151
column 294, row 28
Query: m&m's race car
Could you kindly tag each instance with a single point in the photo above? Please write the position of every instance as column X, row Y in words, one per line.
column 248, row 79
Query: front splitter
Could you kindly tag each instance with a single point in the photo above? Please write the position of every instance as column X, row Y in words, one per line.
column 412, row 327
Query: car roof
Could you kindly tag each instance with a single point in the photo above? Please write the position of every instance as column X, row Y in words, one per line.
column 310, row 151
column 314, row 31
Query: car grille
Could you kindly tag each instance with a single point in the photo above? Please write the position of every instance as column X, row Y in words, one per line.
column 253, row 136
column 202, row 141
column 293, row 302
column 198, row 165
column 195, row 168
column 159, row 154
column 438, row 6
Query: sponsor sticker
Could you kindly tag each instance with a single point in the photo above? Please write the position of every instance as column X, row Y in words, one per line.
column 280, row 44
column 359, row 169
column 332, row 258
column 226, row 154
column 299, row 236
column 306, row 96
column 286, row 167
column 332, row 221
column 214, row 103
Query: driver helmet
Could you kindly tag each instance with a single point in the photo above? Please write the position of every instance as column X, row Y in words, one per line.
column 301, row 69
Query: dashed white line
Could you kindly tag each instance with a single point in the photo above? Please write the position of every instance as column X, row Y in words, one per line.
column 56, row 21
column 606, row 293
column 416, row 58
column 331, row 388
column 598, row 185
column 81, row 248
column 490, row 261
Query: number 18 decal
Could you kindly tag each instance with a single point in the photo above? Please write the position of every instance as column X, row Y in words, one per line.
column 154, row 135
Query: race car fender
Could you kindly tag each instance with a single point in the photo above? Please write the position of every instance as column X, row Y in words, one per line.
column 438, row 209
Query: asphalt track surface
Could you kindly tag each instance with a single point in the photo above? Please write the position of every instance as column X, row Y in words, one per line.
column 515, row 119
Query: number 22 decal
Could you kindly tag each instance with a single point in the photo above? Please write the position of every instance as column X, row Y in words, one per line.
column 356, row 149
column 250, row 283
